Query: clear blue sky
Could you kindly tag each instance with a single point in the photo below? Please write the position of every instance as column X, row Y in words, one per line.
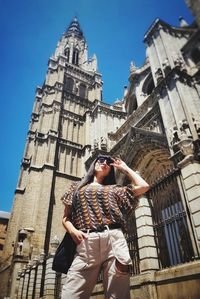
column 30, row 30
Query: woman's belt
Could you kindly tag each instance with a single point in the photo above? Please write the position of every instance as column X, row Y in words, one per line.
column 103, row 227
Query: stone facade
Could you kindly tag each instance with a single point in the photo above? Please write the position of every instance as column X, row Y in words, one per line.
column 4, row 219
column 194, row 6
column 155, row 128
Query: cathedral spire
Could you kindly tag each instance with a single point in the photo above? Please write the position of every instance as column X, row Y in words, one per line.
column 74, row 29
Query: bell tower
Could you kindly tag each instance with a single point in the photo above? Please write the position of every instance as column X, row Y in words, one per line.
column 56, row 149
column 69, row 123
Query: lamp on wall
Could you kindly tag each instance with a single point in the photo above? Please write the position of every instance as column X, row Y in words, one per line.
column 186, row 145
column 22, row 235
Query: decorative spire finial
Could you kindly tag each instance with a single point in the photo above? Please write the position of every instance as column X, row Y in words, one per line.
column 133, row 67
column 183, row 22
column 74, row 29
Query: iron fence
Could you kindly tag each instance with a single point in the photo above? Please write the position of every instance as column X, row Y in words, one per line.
column 171, row 222
column 132, row 240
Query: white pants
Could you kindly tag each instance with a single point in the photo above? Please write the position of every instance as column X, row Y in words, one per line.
column 99, row 252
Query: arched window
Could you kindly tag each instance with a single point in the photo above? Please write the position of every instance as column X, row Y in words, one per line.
column 66, row 53
column 82, row 90
column 195, row 55
column 69, row 84
column 75, row 56
column 148, row 85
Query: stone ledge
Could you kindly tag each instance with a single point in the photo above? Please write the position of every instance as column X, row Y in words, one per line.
column 180, row 272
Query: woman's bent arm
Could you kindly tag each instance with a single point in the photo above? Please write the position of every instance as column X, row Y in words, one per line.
column 140, row 186
column 76, row 234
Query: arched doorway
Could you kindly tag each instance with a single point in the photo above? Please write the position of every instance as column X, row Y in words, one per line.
column 147, row 152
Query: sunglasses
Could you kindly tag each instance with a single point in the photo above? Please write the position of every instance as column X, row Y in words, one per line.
column 102, row 159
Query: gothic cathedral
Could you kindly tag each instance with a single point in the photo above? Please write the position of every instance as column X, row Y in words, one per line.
column 155, row 129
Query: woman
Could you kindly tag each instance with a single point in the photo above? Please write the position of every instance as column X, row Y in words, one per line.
column 95, row 215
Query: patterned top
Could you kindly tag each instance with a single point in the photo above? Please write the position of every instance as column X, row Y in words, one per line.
column 99, row 205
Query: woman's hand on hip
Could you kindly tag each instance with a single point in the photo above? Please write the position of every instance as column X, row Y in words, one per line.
column 78, row 236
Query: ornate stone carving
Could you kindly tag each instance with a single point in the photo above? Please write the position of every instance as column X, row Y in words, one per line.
column 180, row 63
column 173, row 136
column 181, row 140
column 166, row 66
column 186, row 145
column 54, row 244
column 103, row 143
column 184, row 127
column 158, row 74
column 76, row 87
column 196, row 124
column 133, row 67
column 96, row 144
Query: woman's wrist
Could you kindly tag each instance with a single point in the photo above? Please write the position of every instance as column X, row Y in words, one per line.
column 69, row 227
column 126, row 170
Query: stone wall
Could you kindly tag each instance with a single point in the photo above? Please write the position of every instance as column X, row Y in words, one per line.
column 163, row 284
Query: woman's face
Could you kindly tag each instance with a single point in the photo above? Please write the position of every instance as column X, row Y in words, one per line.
column 102, row 167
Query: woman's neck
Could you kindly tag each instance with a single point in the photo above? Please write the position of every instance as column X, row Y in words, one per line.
column 98, row 180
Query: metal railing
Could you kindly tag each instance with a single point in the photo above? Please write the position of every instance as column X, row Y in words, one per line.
column 132, row 241
column 171, row 222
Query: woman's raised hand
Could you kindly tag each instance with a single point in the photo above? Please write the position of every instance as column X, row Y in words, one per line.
column 119, row 164
column 139, row 184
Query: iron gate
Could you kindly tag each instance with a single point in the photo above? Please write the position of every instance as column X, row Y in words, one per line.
column 171, row 222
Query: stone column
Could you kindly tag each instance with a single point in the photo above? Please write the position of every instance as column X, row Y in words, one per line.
column 26, row 282
column 50, row 280
column 146, row 242
column 39, row 269
column 20, row 283
column 34, row 276
column 50, row 277
column 31, row 282
column 190, row 171
column 16, row 267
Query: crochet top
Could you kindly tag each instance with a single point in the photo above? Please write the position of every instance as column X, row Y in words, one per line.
column 100, row 205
